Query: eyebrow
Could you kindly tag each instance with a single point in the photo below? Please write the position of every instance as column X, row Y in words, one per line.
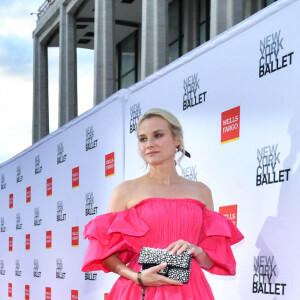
column 158, row 130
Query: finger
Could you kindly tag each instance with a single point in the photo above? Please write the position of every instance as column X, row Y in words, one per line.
column 157, row 268
column 179, row 246
column 168, row 281
column 171, row 246
column 182, row 249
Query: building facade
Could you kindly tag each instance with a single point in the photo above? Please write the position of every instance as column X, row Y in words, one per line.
column 131, row 39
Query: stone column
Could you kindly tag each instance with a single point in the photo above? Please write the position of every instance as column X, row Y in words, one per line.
column 191, row 25
column 104, row 46
column 154, row 36
column 36, row 96
column 71, row 73
column 40, row 118
column 62, row 98
column 43, row 91
column 225, row 14
column 67, row 67
column 252, row 6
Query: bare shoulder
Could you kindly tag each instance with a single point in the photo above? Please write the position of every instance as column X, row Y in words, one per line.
column 121, row 196
column 203, row 192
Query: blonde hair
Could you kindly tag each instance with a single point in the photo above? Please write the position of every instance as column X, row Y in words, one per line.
column 173, row 124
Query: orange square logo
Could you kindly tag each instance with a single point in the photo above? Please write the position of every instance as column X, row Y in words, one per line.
column 229, row 212
column 230, row 125
column 110, row 164
column 48, row 239
column 28, row 194
column 75, row 236
column 105, row 295
column 48, row 293
column 10, row 290
column 10, row 244
column 75, row 177
column 27, row 292
column 49, row 187
column 27, row 242
column 11, row 201
column 74, row 294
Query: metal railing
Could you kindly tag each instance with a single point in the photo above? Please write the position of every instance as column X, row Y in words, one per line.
column 44, row 7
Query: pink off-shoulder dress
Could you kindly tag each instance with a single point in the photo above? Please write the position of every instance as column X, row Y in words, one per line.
column 158, row 222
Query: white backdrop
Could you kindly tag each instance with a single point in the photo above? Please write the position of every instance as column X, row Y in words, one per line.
column 237, row 98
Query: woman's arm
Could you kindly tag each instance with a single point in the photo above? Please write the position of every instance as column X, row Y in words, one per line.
column 198, row 253
column 149, row 277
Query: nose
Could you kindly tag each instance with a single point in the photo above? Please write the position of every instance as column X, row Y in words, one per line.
column 150, row 142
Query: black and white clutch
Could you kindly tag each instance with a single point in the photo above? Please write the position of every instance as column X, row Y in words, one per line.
column 178, row 266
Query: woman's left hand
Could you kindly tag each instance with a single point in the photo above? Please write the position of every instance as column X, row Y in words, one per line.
column 197, row 252
column 181, row 245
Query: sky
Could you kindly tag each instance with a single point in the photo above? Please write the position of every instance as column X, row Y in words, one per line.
column 16, row 77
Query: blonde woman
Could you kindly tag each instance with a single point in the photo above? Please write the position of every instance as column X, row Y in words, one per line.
column 160, row 210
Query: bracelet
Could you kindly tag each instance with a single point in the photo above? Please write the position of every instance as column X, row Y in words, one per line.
column 139, row 278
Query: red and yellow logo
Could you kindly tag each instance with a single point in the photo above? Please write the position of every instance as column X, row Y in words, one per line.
column 48, row 239
column 28, row 194
column 75, row 236
column 10, row 290
column 27, row 242
column 48, row 293
column 11, row 201
column 229, row 212
column 230, row 125
column 75, row 177
column 10, row 244
column 110, row 164
column 27, row 292
column 49, row 186
column 74, row 294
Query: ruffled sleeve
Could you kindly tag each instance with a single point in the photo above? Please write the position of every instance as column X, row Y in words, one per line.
column 217, row 235
column 112, row 233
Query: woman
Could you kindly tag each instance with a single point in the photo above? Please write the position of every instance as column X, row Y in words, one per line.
column 160, row 210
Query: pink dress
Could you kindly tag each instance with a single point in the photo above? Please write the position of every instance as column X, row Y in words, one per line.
column 158, row 222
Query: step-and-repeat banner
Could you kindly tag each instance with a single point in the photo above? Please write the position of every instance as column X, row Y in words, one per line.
column 237, row 98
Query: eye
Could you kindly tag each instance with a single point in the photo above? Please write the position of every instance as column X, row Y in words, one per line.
column 158, row 135
column 142, row 139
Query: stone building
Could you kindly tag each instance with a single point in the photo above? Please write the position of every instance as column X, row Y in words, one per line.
column 131, row 39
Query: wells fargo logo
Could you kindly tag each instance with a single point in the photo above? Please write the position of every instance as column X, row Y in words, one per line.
column 229, row 212
column 11, row 201
column 110, row 164
column 74, row 294
column 48, row 239
column 27, row 292
column 75, row 177
column 10, row 290
column 48, row 293
column 49, row 186
column 27, row 242
column 75, row 236
column 230, row 125
column 10, row 244
column 28, row 194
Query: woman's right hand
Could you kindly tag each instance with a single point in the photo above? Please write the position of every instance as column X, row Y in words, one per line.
column 150, row 277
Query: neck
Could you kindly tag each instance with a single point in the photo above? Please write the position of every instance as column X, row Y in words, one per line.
column 163, row 174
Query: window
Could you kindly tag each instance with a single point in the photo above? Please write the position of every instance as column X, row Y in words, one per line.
column 204, row 20
column 127, row 61
column 175, row 34
column 268, row 2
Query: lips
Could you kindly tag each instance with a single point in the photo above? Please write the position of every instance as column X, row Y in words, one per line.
column 152, row 153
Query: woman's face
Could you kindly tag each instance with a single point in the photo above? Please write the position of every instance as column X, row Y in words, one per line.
column 156, row 142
